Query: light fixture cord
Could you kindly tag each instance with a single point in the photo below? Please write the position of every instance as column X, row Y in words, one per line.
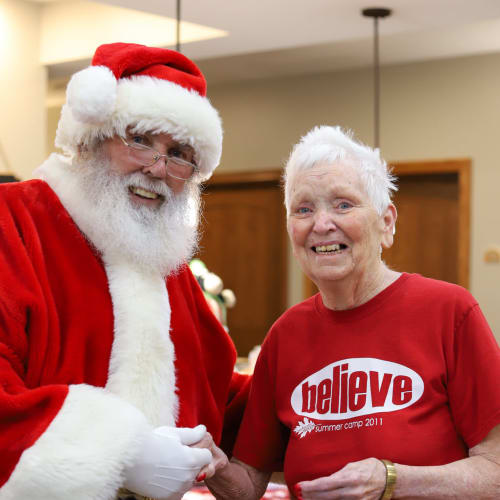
column 376, row 84
column 178, row 34
column 376, row 13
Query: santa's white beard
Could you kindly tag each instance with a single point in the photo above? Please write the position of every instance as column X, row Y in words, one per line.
column 155, row 239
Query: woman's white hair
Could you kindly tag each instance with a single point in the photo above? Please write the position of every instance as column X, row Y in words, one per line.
column 329, row 145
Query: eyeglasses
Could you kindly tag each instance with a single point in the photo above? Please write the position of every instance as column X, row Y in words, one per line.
column 146, row 156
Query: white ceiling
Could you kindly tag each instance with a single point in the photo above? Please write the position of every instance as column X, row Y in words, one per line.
column 271, row 38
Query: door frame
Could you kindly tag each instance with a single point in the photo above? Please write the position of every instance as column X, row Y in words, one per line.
column 268, row 176
column 461, row 167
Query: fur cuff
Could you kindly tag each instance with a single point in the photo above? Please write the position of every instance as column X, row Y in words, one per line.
column 82, row 453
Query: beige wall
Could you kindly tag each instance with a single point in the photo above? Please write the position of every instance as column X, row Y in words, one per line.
column 22, row 87
column 433, row 110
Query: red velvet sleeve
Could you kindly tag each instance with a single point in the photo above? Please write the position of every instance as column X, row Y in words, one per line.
column 25, row 412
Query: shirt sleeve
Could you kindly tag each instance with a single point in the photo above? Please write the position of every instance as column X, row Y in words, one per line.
column 473, row 375
column 262, row 439
column 235, row 407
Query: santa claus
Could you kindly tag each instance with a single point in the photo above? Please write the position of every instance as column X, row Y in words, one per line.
column 111, row 363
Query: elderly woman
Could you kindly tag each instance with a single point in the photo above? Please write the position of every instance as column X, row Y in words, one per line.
column 384, row 384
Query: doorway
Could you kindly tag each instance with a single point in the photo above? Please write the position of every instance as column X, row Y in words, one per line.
column 244, row 242
column 433, row 226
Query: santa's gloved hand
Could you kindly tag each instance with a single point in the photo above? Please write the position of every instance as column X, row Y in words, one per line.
column 166, row 466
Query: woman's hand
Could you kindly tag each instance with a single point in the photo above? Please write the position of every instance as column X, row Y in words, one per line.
column 219, row 458
column 357, row 480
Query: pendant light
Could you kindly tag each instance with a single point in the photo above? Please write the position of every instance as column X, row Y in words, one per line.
column 376, row 13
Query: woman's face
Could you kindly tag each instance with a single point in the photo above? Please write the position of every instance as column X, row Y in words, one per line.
column 335, row 231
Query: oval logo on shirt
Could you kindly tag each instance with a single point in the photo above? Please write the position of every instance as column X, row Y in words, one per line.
column 355, row 387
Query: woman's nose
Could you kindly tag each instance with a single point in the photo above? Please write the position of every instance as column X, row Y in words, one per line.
column 324, row 222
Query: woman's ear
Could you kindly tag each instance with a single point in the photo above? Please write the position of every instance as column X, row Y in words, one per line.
column 389, row 226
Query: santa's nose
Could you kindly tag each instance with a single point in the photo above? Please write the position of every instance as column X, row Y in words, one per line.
column 158, row 170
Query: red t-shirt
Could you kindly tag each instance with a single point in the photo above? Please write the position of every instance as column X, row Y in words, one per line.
column 411, row 376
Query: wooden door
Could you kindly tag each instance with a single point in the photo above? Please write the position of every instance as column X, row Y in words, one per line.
column 244, row 242
column 432, row 230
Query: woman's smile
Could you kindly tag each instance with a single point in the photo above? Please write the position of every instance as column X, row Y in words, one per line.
column 329, row 248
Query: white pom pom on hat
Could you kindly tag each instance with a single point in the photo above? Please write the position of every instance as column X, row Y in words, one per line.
column 147, row 88
column 91, row 94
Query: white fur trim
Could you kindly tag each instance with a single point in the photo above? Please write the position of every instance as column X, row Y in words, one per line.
column 142, row 359
column 82, row 453
column 151, row 105
column 91, row 94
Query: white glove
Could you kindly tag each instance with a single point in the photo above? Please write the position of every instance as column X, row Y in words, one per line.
column 166, row 466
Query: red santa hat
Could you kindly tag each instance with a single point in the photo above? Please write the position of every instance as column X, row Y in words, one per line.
column 148, row 89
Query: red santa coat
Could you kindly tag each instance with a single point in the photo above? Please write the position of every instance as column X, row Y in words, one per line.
column 91, row 356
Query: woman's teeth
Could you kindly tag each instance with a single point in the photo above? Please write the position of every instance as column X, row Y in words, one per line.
column 329, row 248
